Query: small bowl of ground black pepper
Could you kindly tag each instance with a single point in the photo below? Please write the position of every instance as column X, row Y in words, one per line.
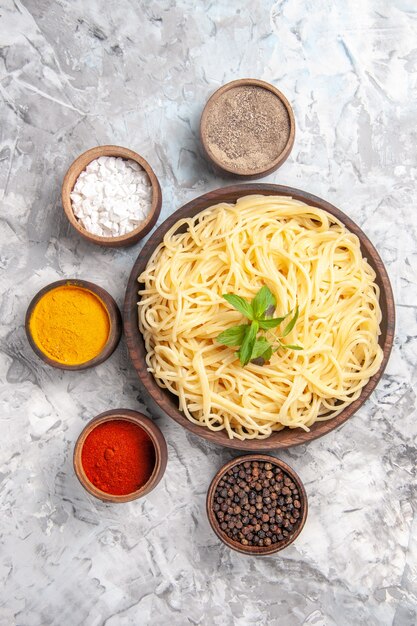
column 120, row 456
column 247, row 128
column 256, row 504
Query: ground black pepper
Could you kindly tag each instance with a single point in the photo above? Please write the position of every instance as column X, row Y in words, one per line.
column 268, row 507
column 248, row 127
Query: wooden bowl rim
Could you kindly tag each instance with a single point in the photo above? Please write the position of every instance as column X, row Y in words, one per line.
column 236, row 545
column 279, row 160
column 287, row 437
column 159, row 443
column 108, row 302
column 79, row 165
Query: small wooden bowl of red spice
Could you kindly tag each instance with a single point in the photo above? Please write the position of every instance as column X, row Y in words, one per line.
column 121, row 455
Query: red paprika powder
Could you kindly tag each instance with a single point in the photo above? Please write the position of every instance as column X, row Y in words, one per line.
column 118, row 457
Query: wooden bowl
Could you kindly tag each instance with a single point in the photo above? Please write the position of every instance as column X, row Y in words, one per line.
column 71, row 177
column 158, row 440
column 248, row 174
column 256, row 550
column 169, row 403
column 114, row 316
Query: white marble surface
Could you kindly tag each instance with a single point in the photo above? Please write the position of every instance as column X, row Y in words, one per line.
column 77, row 74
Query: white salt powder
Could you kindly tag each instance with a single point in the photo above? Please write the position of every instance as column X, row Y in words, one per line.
column 111, row 196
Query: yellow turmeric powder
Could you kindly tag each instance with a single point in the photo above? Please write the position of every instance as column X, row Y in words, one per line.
column 70, row 325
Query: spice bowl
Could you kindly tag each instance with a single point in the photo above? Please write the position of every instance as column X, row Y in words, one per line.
column 72, row 175
column 257, row 504
column 103, row 310
column 247, row 128
column 115, row 445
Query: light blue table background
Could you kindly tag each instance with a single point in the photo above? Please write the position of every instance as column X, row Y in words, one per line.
column 77, row 74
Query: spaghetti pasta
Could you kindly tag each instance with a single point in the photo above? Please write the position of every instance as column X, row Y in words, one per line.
column 305, row 256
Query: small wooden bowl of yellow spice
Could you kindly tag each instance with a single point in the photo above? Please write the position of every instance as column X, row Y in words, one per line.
column 73, row 324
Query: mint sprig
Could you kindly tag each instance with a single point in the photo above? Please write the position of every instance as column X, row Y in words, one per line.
column 259, row 312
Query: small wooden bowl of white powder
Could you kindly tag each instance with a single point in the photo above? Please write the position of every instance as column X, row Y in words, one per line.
column 111, row 196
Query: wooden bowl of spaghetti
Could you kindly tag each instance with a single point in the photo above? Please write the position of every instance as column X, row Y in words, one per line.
column 291, row 431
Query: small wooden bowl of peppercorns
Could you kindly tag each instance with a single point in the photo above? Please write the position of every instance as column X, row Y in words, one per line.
column 256, row 504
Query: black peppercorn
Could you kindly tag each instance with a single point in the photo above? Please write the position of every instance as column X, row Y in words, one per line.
column 256, row 504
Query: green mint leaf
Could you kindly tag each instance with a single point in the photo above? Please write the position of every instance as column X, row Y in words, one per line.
column 270, row 310
column 292, row 346
column 261, row 346
column 240, row 304
column 272, row 323
column 267, row 354
column 291, row 323
column 245, row 352
column 264, row 357
column 263, row 299
column 233, row 336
